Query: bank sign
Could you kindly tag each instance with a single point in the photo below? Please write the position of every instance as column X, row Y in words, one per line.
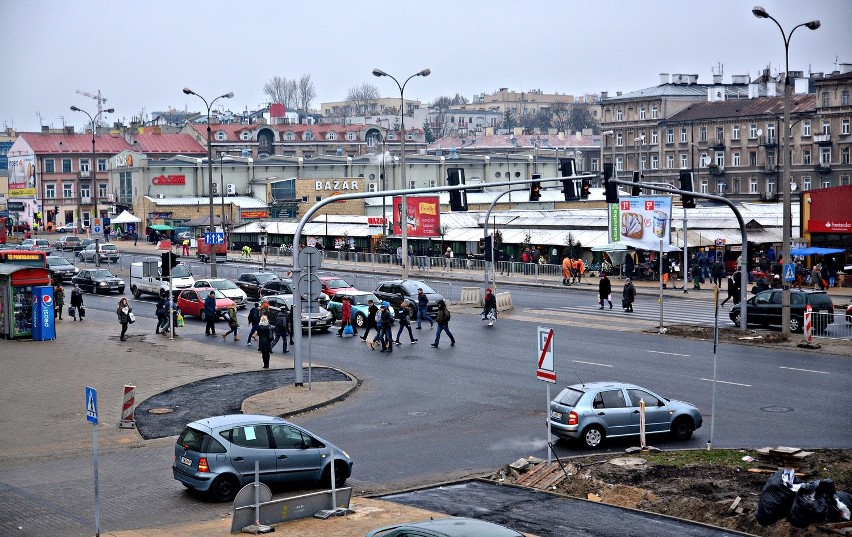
column 641, row 221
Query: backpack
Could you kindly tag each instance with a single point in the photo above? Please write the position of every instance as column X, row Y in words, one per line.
column 254, row 316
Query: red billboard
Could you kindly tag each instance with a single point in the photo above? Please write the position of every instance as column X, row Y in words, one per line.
column 423, row 215
column 829, row 210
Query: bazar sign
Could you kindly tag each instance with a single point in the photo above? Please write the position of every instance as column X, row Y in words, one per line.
column 169, row 180
column 247, row 215
column 337, row 184
column 830, row 226
column 640, row 221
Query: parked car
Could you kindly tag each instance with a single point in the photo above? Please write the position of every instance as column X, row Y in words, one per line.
column 80, row 246
column 217, row 455
column 99, row 281
column 36, row 244
column 226, row 287
column 191, row 302
column 358, row 300
column 68, row 242
column 320, row 319
column 100, row 253
column 591, row 412
column 184, row 236
column 21, row 227
column 333, row 284
column 765, row 309
column 66, row 228
column 446, row 527
column 251, row 282
column 276, row 287
column 395, row 291
column 62, row 269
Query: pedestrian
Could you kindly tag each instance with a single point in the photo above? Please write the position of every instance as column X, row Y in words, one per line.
column 59, row 300
column 566, row 270
column 76, row 302
column 264, row 340
column 173, row 318
column 489, row 309
column 402, row 315
column 123, row 311
column 717, row 270
column 135, row 238
column 443, row 320
column 346, row 317
column 604, row 291
column 282, row 329
column 254, row 320
column 448, row 254
column 210, row 314
column 372, row 310
column 162, row 315
column 732, row 293
column 185, row 250
column 233, row 323
column 629, row 264
column 423, row 309
column 387, row 328
column 696, row 276
column 628, row 295
column 379, row 323
column 579, row 269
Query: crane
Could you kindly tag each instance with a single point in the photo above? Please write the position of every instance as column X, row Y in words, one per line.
column 98, row 97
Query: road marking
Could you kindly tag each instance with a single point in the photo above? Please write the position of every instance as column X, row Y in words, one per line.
column 590, row 363
column 724, row 382
column 805, row 370
column 670, row 353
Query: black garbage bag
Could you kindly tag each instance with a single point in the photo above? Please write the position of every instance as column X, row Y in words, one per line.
column 776, row 498
column 811, row 504
column 835, row 512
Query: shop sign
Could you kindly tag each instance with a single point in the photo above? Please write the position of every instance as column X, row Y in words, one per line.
column 249, row 215
column 15, row 205
column 123, row 161
column 169, row 180
column 337, row 184
column 830, row 226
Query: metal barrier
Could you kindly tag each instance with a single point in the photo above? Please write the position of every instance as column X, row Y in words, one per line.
column 836, row 325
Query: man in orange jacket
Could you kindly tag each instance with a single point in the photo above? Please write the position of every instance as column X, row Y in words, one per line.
column 566, row 270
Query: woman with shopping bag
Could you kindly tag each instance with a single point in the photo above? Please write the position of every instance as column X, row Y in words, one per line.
column 125, row 316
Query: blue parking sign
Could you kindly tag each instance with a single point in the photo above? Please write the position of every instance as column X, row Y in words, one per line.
column 91, row 405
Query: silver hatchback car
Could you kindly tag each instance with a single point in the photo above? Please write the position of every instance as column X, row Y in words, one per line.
column 593, row 411
column 217, row 455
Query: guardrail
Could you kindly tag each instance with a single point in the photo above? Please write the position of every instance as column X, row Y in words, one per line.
column 837, row 326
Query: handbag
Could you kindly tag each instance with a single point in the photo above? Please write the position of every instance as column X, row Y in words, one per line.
column 348, row 330
column 71, row 311
column 82, row 312
column 179, row 320
column 131, row 317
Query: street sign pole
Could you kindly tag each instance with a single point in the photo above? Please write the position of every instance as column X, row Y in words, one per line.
column 546, row 372
column 92, row 417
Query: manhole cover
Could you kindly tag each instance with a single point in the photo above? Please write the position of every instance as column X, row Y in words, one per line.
column 780, row 409
column 161, row 410
column 629, row 462
column 418, row 413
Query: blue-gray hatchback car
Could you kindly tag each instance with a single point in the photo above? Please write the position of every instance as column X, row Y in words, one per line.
column 593, row 411
column 217, row 455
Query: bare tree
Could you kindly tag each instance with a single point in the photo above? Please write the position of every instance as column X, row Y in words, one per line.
column 306, row 92
column 441, row 106
column 360, row 97
column 276, row 89
column 560, row 116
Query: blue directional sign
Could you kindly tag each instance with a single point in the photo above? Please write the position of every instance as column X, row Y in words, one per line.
column 790, row 272
column 96, row 229
column 91, row 405
column 214, row 238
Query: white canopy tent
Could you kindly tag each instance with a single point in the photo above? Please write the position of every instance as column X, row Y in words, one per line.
column 125, row 218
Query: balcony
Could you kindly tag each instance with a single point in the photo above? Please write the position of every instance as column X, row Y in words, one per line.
column 718, row 144
column 86, row 200
column 768, row 141
column 770, row 167
column 84, row 174
column 769, row 196
column 824, row 168
column 715, row 169
column 822, row 139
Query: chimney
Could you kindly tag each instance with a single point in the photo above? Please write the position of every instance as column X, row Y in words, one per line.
column 69, row 129
column 753, row 90
column 740, row 79
column 618, row 94
column 604, row 95
column 717, row 79
column 45, row 129
column 664, row 78
column 845, row 68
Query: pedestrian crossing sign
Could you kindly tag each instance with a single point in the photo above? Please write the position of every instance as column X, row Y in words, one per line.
column 790, row 273
column 91, row 405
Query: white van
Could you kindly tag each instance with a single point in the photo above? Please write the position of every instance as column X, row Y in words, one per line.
column 152, row 284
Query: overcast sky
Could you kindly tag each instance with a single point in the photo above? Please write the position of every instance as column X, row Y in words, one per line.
column 140, row 54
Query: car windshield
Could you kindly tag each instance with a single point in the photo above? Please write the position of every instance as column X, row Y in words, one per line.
column 361, row 300
column 56, row 261
column 265, row 277
column 102, row 274
column 223, row 285
column 217, row 293
column 337, row 284
column 412, row 288
column 180, row 271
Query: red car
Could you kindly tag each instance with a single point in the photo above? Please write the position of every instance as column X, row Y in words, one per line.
column 332, row 285
column 191, row 302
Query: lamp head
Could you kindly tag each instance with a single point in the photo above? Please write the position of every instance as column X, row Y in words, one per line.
column 228, row 95
column 427, row 72
column 109, row 110
column 379, row 72
column 75, row 109
column 608, row 133
column 813, row 25
column 188, row 91
column 759, row 12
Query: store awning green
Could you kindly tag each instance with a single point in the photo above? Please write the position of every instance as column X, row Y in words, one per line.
column 161, row 227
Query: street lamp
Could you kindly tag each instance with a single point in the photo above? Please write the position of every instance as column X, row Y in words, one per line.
column 403, row 213
column 761, row 13
column 94, row 170
column 210, row 226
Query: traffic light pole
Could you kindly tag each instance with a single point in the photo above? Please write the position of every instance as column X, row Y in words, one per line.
column 487, row 217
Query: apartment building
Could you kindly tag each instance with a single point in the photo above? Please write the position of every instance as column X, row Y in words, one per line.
column 831, row 136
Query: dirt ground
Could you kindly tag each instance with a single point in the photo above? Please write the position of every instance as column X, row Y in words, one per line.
column 699, row 491
column 760, row 338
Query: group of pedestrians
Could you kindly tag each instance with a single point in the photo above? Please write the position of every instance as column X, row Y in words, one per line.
column 628, row 294
column 573, row 270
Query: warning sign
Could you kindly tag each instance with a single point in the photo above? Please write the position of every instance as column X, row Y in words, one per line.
column 545, row 371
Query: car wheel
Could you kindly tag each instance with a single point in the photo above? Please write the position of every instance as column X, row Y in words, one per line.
column 135, row 291
column 736, row 319
column 682, row 428
column 224, row 488
column 593, row 437
column 360, row 320
column 340, row 474
column 795, row 324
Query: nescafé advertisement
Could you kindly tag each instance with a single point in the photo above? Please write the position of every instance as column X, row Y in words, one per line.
column 423, row 214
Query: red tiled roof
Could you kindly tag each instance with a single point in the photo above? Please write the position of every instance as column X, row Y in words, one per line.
column 176, row 144
column 74, row 143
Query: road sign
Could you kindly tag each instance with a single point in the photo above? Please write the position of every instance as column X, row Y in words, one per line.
column 310, row 259
column 720, row 242
column 91, row 405
column 214, row 237
column 545, row 370
column 310, row 287
column 790, row 272
column 96, row 229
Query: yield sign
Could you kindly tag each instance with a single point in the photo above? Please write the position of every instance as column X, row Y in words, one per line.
column 545, row 370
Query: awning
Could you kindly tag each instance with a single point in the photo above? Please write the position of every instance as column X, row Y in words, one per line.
column 815, row 250
column 161, row 227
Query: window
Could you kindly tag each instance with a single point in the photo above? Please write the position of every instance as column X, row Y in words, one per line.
column 826, row 126
column 735, row 158
column 307, row 135
column 50, row 191
column 844, row 180
column 752, row 185
column 619, row 139
column 619, row 114
column 87, row 219
column 84, row 165
column 250, row 436
column 844, row 126
column 752, row 158
column 125, row 187
column 704, row 185
column 703, row 160
column 720, row 135
column 826, row 182
column 683, row 135
column 770, row 187
column 737, row 185
column 609, row 399
column 825, row 156
column 331, row 136
column 702, row 134
column 102, row 164
column 287, row 437
column 720, row 159
column 245, row 136
column 655, row 162
column 85, row 191
column 619, row 163
column 735, row 132
column 641, row 112
column 102, row 190
column 655, row 137
column 595, row 165
column 642, row 162
column 654, row 112
column 806, row 156
column 289, row 136
column 670, row 136
column 770, row 159
column 50, row 165
column 683, row 161
column 844, row 155
column 67, row 190
column 770, row 132
column 826, row 99
column 409, row 136
column 806, row 182
column 844, row 98
column 806, row 127
column 752, row 131
column 670, row 162
column 66, row 165
column 221, row 136
column 350, row 136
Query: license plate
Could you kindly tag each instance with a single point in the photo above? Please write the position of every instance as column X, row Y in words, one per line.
column 185, row 460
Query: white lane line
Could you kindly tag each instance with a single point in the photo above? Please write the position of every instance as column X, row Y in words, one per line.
column 670, row 353
column 734, row 383
column 590, row 363
column 805, row 370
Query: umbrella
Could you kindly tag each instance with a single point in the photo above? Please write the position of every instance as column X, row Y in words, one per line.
column 161, row 227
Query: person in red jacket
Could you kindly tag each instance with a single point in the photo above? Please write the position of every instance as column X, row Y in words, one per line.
column 346, row 317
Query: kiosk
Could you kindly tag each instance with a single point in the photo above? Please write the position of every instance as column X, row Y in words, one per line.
column 16, row 298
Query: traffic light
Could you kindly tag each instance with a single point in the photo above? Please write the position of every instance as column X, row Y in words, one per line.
column 169, row 261
column 569, row 186
column 488, row 248
column 535, row 188
column 568, row 167
column 586, row 188
column 610, row 188
column 686, row 184
column 458, row 198
column 636, row 190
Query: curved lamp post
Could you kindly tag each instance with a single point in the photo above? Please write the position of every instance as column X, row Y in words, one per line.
column 403, row 213
column 761, row 13
column 211, row 227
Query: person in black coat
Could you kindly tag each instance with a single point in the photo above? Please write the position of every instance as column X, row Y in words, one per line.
column 282, row 329
column 489, row 309
column 402, row 316
column 76, row 301
column 370, row 323
column 604, row 291
column 264, row 340
column 628, row 295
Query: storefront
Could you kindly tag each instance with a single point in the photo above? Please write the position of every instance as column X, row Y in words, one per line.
column 827, row 223
column 16, row 299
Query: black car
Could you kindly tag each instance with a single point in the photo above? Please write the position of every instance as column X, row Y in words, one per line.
column 251, row 282
column 276, row 287
column 62, row 269
column 395, row 291
column 99, row 281
column 765, row 309
column 80, row 246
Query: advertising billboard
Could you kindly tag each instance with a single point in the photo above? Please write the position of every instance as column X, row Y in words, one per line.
column 641, row 221
column 22, row 176
column 423, row 214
